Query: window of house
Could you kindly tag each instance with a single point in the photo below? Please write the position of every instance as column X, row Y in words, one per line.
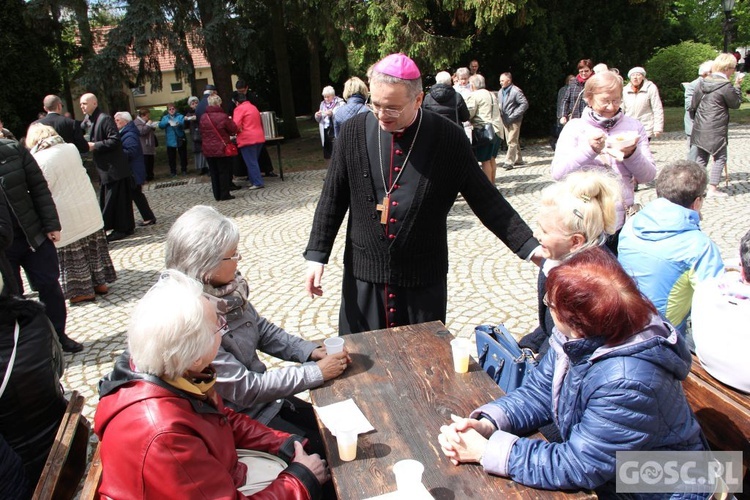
column 139, row 91
column 177, row 87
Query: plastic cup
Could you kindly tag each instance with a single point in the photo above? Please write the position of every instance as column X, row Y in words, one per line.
column 408, row 475
column 334, row 345
column 346, row 440
column 460, row 349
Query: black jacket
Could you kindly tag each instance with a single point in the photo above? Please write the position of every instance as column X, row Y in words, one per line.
column 418, row 254
column 68, row 129
column 6, row 238
column 111, row 162
column 714, row 96
column 445, row 101
column 27, row 193
column 33, row 404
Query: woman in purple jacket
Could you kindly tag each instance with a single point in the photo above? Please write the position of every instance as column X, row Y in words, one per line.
column 583, row 143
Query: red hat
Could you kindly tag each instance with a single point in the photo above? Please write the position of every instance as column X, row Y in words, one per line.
column 399, row 66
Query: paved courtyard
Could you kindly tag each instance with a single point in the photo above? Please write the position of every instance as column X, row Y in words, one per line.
column 486, row 282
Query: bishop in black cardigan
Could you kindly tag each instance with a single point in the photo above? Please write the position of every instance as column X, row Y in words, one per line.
column 395, row 269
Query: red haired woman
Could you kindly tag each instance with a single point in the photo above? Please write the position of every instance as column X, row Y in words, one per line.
column 611, row 382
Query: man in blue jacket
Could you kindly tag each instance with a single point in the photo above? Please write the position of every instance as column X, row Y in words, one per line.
column 663, row 248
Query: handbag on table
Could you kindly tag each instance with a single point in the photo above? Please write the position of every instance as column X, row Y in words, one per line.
column 501, row 358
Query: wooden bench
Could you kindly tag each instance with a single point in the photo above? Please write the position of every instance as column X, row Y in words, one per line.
column 66, row 461
column 93, row 478
column 723, row 413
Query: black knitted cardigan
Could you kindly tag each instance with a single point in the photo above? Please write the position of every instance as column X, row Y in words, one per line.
column 418, row 256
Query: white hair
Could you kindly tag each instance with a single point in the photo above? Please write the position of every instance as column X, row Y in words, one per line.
column 328, row 90
column 197, row 241
column 124, row 116
column 705, row 68
column 444, row 77
column 169, row 329
column 477, row 81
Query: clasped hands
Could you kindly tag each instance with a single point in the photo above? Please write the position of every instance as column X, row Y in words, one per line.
column 465, row 439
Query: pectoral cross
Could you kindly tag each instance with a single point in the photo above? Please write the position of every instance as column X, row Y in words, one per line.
column 384, row 208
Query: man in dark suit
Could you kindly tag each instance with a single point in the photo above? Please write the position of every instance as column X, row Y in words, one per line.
column 66, row 127
column 114, row 171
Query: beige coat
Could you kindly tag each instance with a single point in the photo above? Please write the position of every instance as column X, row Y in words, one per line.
column 645, row 107
column 483, row 108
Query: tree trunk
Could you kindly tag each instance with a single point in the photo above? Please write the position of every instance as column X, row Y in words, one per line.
column 313, row 44
column 221, row 67
column 284, row 76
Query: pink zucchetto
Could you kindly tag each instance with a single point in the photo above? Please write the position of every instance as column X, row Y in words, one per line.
column 399, row 66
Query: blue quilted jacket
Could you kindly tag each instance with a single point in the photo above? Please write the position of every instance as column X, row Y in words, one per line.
column 355, row 105
column 603, row 399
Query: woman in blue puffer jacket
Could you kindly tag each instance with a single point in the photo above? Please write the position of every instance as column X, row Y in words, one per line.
column 612, row 381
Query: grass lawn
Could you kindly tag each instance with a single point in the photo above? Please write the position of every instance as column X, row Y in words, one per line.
column 306, row 153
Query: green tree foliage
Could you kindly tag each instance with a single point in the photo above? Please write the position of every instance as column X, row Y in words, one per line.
column 26, row 68
column 671, row 66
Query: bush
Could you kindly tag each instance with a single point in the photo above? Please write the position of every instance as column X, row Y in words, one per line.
column 674, row 65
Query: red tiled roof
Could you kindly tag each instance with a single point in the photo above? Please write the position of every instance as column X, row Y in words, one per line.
column 166, row 58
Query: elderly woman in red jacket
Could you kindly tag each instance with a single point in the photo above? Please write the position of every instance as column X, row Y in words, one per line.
column 250, row 138
column 216, row 128
column 165, row 432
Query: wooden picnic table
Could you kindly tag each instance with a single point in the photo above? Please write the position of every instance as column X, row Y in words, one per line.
column 403, row 381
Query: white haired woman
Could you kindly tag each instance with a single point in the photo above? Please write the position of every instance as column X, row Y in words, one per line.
column 202, row 243
column 640, row 100
column 164, row 430
column 324, row 117
column 82, row 250
column 216, row 128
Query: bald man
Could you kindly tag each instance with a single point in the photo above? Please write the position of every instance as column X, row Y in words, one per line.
column 114, row 171
column 66, row 127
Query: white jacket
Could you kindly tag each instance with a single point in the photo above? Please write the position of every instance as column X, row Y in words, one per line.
column 74, row 196
column 645, row 107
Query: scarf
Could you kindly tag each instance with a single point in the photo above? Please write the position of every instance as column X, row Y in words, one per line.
column 606, row 123
column 47, row 143
column 582, row 80
column 199, row 384
column 230, row 300
column 638, row 88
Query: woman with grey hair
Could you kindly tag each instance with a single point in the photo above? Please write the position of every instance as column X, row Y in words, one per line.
column 324, row 117
column 202, row 243
column 160, row 402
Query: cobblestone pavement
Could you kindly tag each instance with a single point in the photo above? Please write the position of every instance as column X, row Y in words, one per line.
column 487, row 283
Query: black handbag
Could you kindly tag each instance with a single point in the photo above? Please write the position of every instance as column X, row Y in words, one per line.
column 501, row 358
column 483, row 136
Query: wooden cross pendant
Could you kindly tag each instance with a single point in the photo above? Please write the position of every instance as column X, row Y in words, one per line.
column 384, row 209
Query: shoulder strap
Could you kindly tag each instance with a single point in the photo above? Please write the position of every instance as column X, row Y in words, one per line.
column 12, row 360
column 575, row 106
column 214, row 127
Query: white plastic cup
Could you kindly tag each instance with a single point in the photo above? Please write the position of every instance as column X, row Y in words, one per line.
column 334, row 345
column 460, row 349
column 408, row 475
column 346, row 440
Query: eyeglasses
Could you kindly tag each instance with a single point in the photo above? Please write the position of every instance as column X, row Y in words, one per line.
column 606, row 102
column 237, row 256
column 171, row 109
column 223, row 325
column 390, row 112
column 547, row 303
